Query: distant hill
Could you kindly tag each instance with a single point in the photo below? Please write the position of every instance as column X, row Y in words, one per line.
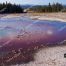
column 26, row 6
column 64, row 6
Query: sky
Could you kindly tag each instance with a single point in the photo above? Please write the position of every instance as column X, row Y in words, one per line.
column 36, row 2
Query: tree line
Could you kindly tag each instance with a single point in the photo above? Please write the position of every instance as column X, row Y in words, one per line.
column 56, row 7
column 10, row 8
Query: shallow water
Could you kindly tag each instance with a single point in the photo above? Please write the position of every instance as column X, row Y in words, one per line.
column 11, row 27
column 22, row 32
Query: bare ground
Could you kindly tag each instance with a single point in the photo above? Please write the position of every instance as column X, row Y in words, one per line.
column 50, row 56
column 40, row 16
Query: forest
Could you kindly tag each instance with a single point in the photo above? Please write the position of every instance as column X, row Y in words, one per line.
column 13, row 8
column 10, row 8
column 56, row 7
